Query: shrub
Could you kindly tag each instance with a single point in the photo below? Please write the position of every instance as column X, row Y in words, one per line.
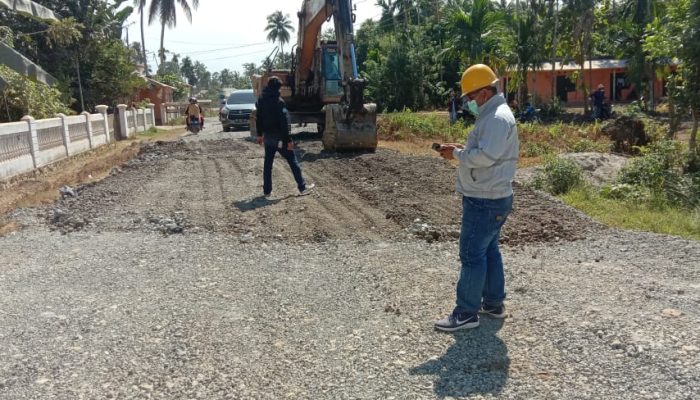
column 660, row 171
column 23, row 96
column 585, row 145
column 559, row 176
column 535, row 149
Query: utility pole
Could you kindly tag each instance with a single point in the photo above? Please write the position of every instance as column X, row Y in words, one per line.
column 555, row 11
column 80, row 84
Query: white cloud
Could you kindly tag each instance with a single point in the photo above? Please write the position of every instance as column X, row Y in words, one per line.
column 227, row 33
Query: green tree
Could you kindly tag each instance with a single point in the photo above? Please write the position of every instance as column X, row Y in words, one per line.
column 112, row 78
column 662, row 40
column 527, row 36
column 166, row 13
column 278, row 29
column 187, row 71
column 579, row 16
column 475, row 28
column 23, row 96
column 690, row 54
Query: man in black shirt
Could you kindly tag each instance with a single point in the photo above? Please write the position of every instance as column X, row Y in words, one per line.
column 273, row 131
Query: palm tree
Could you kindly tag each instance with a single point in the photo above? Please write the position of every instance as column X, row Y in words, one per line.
column 528, row 49
column 475, row 28
column 580, row 17
column 166, row 12
column 278, row 28
column 141, row 4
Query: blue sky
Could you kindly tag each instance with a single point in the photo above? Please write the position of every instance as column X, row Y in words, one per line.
column 228, row 33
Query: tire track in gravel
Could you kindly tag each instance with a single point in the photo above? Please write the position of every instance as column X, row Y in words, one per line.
column 348, row 211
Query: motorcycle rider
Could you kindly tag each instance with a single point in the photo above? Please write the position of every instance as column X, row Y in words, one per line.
column 194, row 110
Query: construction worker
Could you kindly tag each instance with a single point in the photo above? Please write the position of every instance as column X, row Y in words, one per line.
column 598, row 98
column 487, row 164
column 194, row 111
column 273, row 131
column 455, row 105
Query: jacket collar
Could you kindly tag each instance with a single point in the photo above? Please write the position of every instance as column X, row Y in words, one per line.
column 492, row 104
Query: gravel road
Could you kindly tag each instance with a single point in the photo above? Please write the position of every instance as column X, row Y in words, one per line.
column 174, row 279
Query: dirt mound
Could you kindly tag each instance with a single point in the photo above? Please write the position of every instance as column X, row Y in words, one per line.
column 626, row 132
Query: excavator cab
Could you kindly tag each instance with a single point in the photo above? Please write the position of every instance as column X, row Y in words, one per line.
column 330, row 67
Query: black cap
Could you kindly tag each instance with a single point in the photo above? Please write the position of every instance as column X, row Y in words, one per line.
column 274, row 83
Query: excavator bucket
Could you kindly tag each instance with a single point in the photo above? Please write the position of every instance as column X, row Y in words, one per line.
column 347, row 130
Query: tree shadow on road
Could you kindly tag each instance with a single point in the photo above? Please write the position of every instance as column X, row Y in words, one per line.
column 257, row 202
column 477, row 362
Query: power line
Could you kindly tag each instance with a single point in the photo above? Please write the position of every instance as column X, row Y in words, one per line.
column 238, row 55
column 223, row 49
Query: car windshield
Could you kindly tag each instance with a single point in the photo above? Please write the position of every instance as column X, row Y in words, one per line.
column 241, row 98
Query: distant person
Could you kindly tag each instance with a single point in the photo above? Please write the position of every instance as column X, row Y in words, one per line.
column 454, row 106
column 194, row 111
column 598, row 98
column 272, row 126
column 486, row 169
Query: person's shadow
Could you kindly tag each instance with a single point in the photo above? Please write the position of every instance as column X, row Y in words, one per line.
column 477, row 362
column 257, row 202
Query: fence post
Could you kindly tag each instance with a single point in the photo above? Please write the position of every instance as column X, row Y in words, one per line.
column 145, row 122
column 33, row 139
column 153, row 114
column 135, row 114
column 163, row 114
column 88, row 126
column 123, row 127
column 66, row 133
column 103, row 110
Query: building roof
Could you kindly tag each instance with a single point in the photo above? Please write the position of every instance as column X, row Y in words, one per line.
column 30, row 8
column 24, row 66
column 158, row 83
column 595, row 64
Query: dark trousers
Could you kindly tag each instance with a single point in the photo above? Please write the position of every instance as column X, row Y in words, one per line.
column 270, row 151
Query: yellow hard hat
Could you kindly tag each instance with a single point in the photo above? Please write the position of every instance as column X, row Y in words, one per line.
column 476, row 77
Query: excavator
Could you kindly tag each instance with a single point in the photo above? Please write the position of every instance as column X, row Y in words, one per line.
column 322, row 84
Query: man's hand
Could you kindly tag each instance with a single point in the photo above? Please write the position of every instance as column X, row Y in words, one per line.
column 290, row 146
column 260, row 140
column 446, row 151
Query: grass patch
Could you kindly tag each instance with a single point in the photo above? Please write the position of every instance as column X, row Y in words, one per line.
column 537, row 141
column 636, row 215
column 154, row 133
column 411, row 126
column 151, row 132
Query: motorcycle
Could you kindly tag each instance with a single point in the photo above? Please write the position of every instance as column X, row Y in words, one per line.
column 195, row 125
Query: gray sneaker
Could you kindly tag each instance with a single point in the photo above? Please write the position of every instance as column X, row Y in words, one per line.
column 309, row 188
column 457, row 321
column 496, row 312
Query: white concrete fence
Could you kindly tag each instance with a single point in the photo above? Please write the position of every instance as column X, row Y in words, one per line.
column 32, row 143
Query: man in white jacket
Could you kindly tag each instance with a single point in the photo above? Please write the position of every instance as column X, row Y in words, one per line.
column 487, row 166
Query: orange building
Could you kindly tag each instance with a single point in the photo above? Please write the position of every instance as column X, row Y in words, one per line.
column 610, row 73
column 158, row 93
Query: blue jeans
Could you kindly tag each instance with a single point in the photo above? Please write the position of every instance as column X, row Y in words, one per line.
column 481, row 276
column 270, row 151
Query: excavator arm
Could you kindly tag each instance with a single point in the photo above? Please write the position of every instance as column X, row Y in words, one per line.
column 311, row 18
column 351, row 124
